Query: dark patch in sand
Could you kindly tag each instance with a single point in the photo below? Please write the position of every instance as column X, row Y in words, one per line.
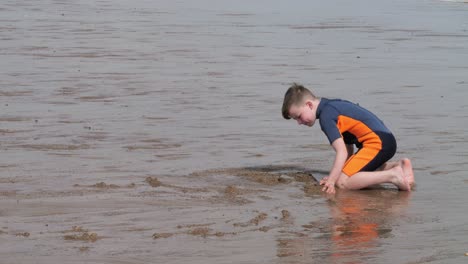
column 254, row 155
column 267, row 175
column 200, row 231
column 226, row 199
column 70, row 122
column 194, row 225
column 46, row 147
column 152, row 140
column 9, row 131
column 333, row 26
column 62, row 154
column 265, row 228
column 76, row 229
column 301, row 177
column 154, row 182
column 442, row 172
column 162, row 235
column 289, row 247
column 68, row 91
column 83, row 249
column 23, row 234
column 257, row 176
column 220, row 234
column 322, row 226
column 205, row 232
column 426, row 259
column 83, row 235
column 188, row 189
column 95, row 135
column 312, row 189
column 254, row 221
column 101, row 185
column 286, row 215
column 173, row 156
column 14, row 119
column 5, row 166
column 15, row 93
column 97, row 98
column 154, row 145
column 59, row 103
column 232, row 191
column 155, row 118
column 88, row 237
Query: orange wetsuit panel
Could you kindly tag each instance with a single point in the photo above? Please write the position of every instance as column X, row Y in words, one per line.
column 371, row 144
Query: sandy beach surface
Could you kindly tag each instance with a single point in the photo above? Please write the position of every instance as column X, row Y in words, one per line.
column 151, row 131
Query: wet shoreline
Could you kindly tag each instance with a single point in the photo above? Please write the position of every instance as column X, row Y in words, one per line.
column 130, row 129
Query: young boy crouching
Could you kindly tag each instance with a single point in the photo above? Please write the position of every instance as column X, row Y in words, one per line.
column 347, row 125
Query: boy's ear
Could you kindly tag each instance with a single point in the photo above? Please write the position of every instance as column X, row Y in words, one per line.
column 309, row 103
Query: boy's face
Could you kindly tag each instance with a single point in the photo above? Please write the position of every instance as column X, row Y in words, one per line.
column 304, row 113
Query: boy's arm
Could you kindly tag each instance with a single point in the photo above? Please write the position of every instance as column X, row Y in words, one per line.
column 340, row 159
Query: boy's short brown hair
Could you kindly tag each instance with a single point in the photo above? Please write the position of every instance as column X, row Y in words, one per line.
column 295, row 95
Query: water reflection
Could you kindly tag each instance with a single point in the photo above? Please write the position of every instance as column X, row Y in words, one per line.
column 358, row 224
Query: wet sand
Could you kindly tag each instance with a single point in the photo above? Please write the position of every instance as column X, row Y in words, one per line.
column 151, row 132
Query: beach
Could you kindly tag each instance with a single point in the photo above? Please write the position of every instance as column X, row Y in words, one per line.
column 151, row 131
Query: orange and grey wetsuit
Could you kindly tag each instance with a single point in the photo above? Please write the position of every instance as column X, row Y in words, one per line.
column 356, row 125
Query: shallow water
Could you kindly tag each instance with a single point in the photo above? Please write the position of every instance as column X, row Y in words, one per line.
column 97, row 96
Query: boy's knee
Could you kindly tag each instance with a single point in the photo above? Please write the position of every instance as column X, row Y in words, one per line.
column 342, row 181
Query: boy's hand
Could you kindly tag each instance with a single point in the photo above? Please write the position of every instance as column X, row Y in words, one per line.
column 328, row 185
column 323, row 180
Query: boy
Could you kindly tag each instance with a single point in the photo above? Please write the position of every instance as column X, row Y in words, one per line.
column 346, row 124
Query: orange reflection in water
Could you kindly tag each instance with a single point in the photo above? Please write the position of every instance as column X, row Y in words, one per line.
column 358, row 224
column 361, row 218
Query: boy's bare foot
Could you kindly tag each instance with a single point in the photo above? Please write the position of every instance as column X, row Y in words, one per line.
column 400, row 180
column 408, row 171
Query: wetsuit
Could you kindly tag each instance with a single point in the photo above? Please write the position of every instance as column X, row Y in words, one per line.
column 356, row 125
